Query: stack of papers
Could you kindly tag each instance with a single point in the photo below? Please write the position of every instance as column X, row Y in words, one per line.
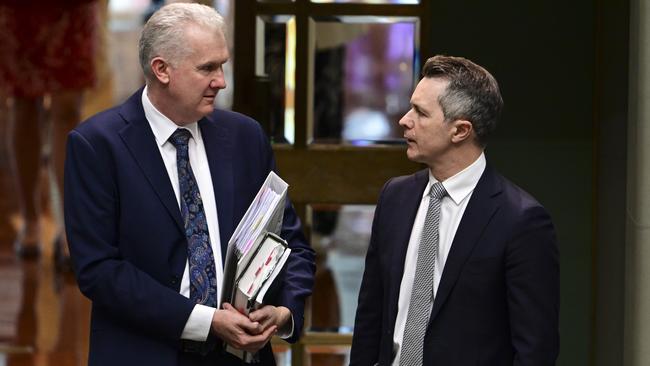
column 261, row 270
column 259, row 213
column 264, row 215
column 256, row 253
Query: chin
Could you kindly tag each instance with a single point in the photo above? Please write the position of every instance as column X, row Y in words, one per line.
column 206, row 110
column 411, row 155
column 414, row 157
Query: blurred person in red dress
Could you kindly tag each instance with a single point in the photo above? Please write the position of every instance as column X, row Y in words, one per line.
column 48, row 50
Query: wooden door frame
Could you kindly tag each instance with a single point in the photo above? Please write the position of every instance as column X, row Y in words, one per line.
column 320, row 173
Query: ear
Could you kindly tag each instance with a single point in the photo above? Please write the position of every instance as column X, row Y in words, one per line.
column 461, row 131
column 160, row 69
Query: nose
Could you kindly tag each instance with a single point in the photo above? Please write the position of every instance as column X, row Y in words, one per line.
column 218, row 81
column 406, row 121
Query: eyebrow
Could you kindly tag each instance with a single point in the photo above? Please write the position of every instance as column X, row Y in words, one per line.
column 211, row 65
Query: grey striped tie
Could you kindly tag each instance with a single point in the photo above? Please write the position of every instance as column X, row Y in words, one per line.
column 422, row 293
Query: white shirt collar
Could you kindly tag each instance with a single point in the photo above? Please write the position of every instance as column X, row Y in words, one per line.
column 162, row 126
column 462, row 183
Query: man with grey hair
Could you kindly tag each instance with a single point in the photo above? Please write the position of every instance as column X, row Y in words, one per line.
column 154, row 189
column 462, row 267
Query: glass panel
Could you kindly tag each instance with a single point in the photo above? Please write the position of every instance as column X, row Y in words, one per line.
column 363, row 76
column 227, row 9
column 340, row 235
column 275, row 67
column 124, row 24
column 368, row 1
column 327, row 355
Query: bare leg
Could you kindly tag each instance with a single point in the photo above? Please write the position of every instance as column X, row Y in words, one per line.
column 27, row 143
column 65, row 115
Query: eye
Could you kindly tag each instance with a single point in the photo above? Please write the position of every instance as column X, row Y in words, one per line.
column 419, row 112
column 209, row 67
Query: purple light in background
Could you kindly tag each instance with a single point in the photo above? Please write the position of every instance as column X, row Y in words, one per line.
column 357, row 63
column 399, row 50
column 400, row 41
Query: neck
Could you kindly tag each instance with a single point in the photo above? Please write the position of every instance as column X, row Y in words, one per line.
column 454, row 162
column 159, row 100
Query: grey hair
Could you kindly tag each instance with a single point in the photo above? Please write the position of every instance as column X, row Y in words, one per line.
column 472, row 93
column 163, row 34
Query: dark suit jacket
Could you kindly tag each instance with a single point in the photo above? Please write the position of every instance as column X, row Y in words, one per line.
column 498, row 298
column 127, row 239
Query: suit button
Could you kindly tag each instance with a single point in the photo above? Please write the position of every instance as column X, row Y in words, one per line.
column 174, row 281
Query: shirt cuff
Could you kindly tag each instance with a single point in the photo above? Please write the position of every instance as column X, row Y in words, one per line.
column 287, row 330
column 198, row 324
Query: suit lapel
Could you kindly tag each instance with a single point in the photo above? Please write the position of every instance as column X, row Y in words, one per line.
column 218, row 148
column 480, row 210
column 140, row 141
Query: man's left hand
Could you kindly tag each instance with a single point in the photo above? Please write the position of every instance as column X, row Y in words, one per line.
column 269, row 315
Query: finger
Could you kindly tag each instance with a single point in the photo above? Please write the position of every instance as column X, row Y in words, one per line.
column 250, row 327
column 227, row 325
column 264, row 321
column 266, row 335
column 267, row 323
column 259, row 315
column 228, row 307
column 255, row 343
column 235, row 317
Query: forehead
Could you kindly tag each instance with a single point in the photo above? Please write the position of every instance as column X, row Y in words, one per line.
column 206, row 42
column 428, row 90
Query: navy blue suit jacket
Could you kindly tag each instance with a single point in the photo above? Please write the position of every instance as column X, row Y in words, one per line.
column 127, row 239
column 498, row 298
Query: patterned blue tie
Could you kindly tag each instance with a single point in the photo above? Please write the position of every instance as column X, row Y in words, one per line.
column 203, row 278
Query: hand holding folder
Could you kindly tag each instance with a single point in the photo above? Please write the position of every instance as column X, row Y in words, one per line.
column 256, row 253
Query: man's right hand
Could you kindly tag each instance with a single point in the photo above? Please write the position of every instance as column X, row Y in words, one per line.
column 239, row 331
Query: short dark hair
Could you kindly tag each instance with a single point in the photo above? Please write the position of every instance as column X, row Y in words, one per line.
column 472, row 93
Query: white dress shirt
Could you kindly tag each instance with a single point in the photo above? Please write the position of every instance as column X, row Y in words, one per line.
column 200, row 320
column 459, row 190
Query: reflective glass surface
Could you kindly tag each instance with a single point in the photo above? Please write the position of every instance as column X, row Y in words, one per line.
column 363, row 76
column 275, row 65
column 340, row 236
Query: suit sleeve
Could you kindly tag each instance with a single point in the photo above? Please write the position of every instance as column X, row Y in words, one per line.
column 368, row 320
column 532, row 279
column 300, row 267
column 299, row 276
column 112, row 283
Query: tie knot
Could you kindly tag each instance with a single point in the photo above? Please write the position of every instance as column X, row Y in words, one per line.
column 437, row 191
column 180, row 137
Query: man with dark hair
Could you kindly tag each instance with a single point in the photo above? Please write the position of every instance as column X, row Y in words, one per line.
column 154, row 189
column 462, row 267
